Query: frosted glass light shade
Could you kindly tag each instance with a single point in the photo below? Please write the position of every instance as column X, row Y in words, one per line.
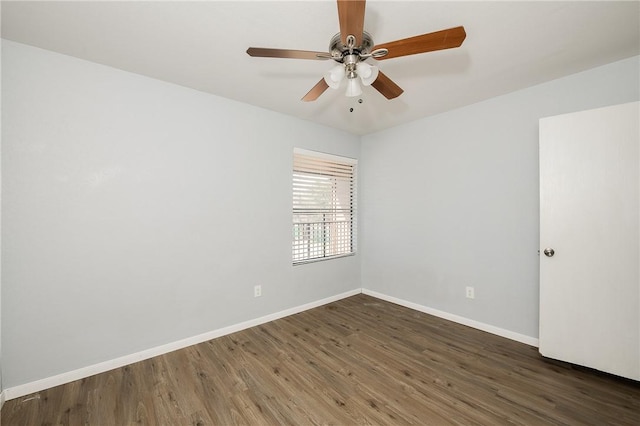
column 353, row 87
column 334, row 76
column 367, row 73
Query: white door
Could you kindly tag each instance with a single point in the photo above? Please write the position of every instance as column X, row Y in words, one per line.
column 589, row 217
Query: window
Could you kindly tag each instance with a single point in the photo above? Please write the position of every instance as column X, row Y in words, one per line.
column 324, row 206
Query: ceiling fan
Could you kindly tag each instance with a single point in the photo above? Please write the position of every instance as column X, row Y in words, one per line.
column 352, row 46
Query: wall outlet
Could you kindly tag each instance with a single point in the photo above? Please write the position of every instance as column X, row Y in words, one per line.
column 470, row 293
column 257, row 291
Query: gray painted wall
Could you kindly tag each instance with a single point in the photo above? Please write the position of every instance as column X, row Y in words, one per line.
column 452, row 200
column 137, row 213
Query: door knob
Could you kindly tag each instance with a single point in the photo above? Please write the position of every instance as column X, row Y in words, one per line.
column 549, row 252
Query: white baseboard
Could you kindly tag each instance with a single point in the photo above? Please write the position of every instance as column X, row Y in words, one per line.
column 70, row 376
column 532, row 341
column 60, row 379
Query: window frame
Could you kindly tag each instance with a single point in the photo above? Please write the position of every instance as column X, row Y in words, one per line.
column 344, row 186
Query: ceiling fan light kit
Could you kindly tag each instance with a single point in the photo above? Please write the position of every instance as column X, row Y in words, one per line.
column 367, row 73
column 334, row 76
column 351, row 67
column 352, row 46
column 353, row 88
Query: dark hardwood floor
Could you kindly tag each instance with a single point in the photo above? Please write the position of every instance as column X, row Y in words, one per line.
column 356, row 361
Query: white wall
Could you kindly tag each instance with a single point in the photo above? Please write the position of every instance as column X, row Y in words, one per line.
column 137, row 213
column 452, row 200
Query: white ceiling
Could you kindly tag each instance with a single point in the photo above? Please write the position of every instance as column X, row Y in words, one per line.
column 202, row 45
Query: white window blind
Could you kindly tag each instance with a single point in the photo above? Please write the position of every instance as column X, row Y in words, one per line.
column 324, row 206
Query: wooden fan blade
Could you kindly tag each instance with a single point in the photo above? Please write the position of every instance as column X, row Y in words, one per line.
column 316, row 91
column 351, row 16
column 265, row 52
column 445, row 39
column 386, row 86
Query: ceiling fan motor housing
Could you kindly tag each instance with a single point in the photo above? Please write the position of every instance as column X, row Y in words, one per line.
column 339, row 50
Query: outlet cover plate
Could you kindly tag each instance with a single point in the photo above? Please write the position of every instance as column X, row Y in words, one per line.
column 470, row 293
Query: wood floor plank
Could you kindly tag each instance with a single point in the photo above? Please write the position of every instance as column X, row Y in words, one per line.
column 359, row 360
